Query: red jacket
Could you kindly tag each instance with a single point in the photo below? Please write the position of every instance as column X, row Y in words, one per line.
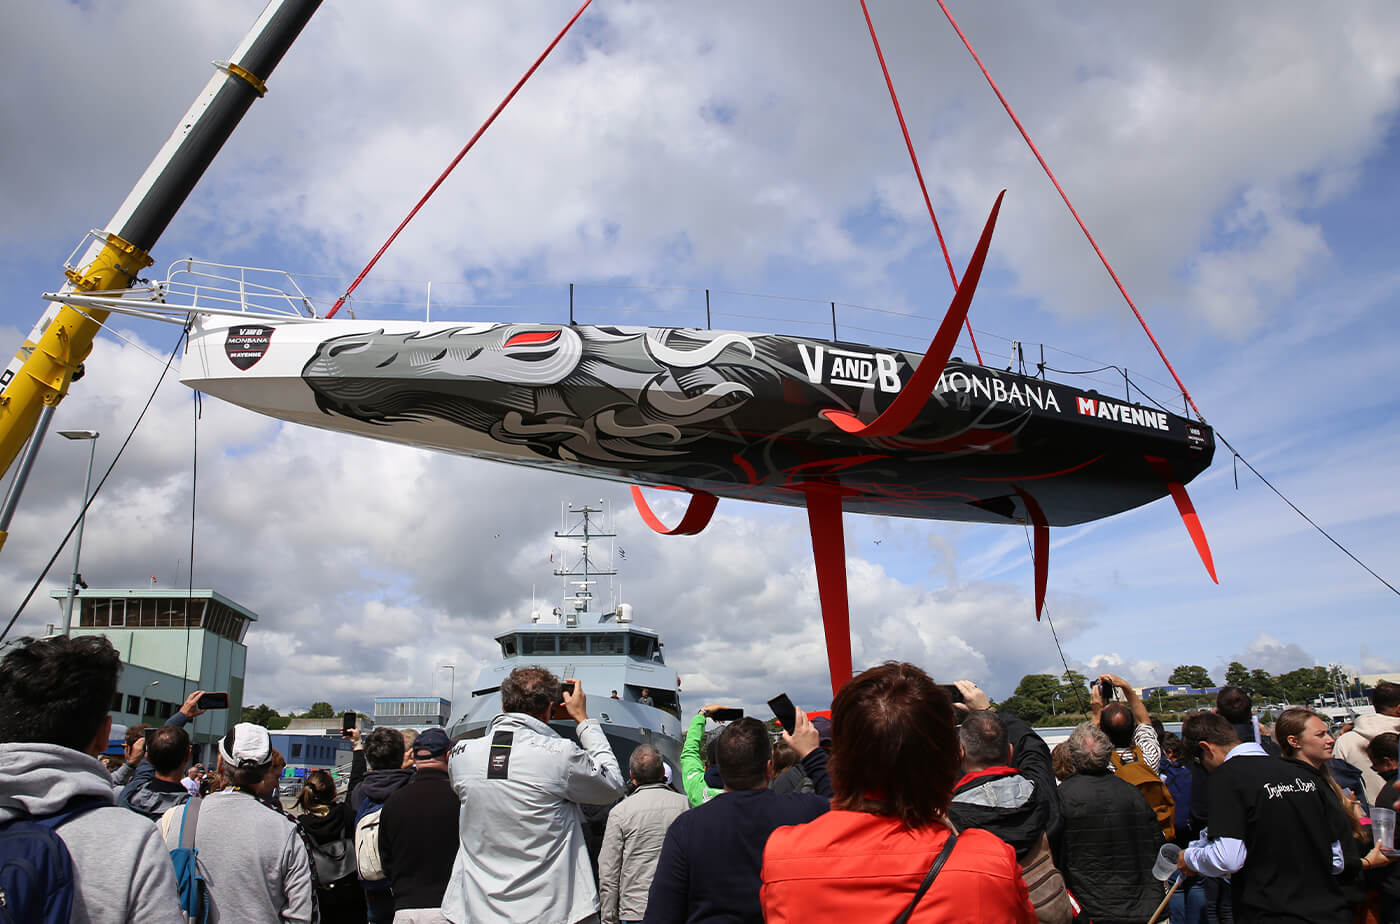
column 854, row 866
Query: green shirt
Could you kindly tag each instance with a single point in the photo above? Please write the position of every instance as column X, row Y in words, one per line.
column 692, row 767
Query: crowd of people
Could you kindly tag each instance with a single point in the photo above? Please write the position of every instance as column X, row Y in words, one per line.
column 904, row 804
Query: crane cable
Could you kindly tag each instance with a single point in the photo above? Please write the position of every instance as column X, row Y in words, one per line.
column 95, row 491
column 908, row 143
column 456, row 160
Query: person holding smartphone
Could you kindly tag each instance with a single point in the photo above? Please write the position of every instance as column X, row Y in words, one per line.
column 156, row 786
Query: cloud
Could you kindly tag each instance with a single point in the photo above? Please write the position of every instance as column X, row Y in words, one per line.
column 1273, row 655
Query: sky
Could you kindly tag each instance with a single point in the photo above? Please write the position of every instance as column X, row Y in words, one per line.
column 1238, row 165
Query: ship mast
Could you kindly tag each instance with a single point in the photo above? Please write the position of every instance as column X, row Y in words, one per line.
column 582, row 533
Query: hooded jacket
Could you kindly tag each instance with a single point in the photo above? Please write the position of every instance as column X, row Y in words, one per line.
column 121, row 868
column 1002, row 801
column 1351, row 748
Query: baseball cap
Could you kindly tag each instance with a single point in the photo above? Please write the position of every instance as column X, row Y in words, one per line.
column 432, row 742
column 823, row 726
column 246, row 745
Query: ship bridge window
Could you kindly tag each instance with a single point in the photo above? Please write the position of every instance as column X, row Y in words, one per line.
column 573, row 644
column 537, row 644
column 640, row 646
column 606, row 644
column 508, row 647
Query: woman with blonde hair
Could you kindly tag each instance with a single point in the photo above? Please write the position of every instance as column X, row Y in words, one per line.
column 1304, row 740
column 886, row 851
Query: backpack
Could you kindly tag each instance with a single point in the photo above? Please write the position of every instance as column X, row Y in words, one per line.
column 1178, row 780
column 1135, row 770
column 367, row 859
column 335, row 860
column 1045, row 885
column 190, row 886
column 36, row 869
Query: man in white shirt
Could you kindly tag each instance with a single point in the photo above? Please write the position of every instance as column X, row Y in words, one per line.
column 1269, row 830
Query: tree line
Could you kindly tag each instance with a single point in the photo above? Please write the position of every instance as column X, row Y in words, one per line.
column 269, row 718
column 1057, row 700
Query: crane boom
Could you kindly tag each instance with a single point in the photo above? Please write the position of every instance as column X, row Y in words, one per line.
column 45, row 365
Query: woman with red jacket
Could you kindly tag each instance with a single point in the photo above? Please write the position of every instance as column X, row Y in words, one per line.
column 894, row 760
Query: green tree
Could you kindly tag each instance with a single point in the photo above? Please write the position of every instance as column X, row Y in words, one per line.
column 1237, row 675
column 260, row 714
column 1263, row 685
column 1024, row 707
column 1191, row 675
column 320, row 711
column 1039, row 687
column 1299, row 686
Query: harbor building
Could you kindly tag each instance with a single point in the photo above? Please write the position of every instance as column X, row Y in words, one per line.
column 418, row 712
column 172, row 642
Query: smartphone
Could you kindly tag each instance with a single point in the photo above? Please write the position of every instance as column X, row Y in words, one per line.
column 726, row 715
column 784, row 711
column 566, row 686
column 212, row 701
column 347, row 723
column 954, row 694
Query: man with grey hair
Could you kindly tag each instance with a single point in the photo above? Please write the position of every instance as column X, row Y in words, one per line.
column 1109, row 838
column 521, row 853
column 632, row 844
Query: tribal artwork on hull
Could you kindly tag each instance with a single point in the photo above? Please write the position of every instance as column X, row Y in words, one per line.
column 739, row 415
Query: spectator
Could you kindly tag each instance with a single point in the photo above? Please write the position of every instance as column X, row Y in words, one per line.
column 993, row 796
column 1238, row 709
column 1110, row 837
column 325, row 822
column 410, row 735
column 698, row 786
column 1273, row 837
column 893, row 762
column 192, row 779
column 54, row 696
column 1382, row 751
column 418, row 834
column 1030, row 756
column 788, row 775
column 383, row 753
column 133, row 751
column 522, row 855
column 1305, row 742
column 158, row 783
column 1059, row 760
column 711, row 857
column 635, row 832
column 1351, row 747
column 254, row 863
column 645, row 698
column 1128, row 727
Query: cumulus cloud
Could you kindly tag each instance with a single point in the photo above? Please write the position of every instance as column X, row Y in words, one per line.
column 749, row 151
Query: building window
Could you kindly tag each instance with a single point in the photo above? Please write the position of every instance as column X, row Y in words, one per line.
column 133, row 705
column 166, row 710
column 117, row 703
column 296, row 749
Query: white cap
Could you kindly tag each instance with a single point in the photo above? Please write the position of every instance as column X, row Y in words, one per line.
column 246, row 745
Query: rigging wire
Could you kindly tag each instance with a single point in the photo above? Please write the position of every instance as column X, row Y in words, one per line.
column 458, row 159
column 184, row 332
column 194, row 493
column 1300, row 513
column 1058, row 188
column 894, row 98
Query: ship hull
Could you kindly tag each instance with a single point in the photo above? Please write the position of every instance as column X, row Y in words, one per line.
column 726, row 413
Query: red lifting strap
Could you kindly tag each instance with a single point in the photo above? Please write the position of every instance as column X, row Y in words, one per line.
column 1187, row 511
column 1040, row 551
column 697, row 513
column 915, row 394
column 829, row 555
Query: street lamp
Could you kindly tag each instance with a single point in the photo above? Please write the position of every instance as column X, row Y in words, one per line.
column 91, row 437
column 452, row 696
column 145, row 700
